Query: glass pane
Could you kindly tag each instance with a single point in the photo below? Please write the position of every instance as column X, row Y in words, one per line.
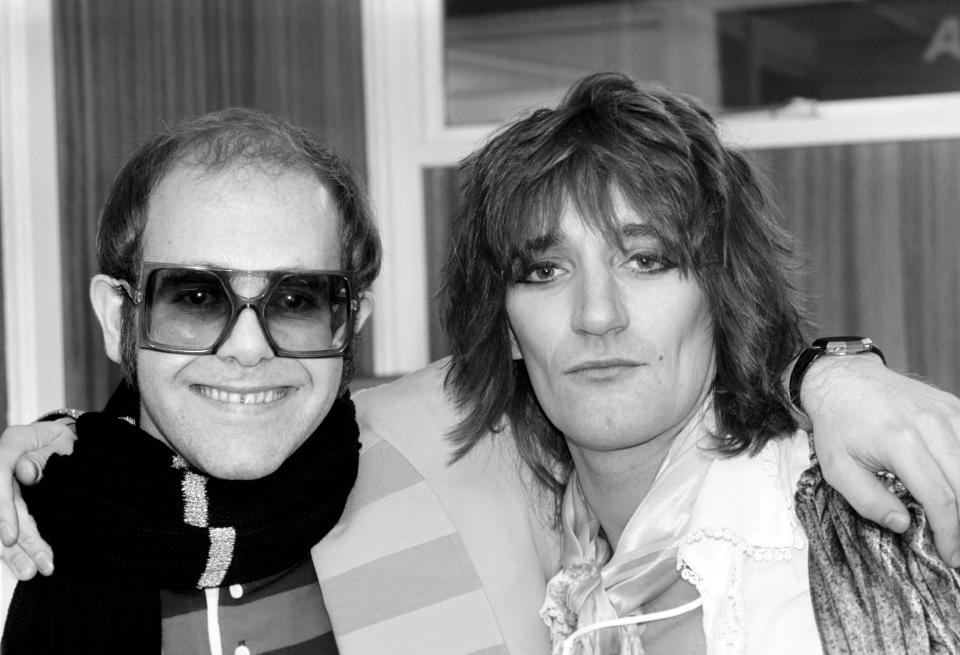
column 503, row 57
column 839, row 50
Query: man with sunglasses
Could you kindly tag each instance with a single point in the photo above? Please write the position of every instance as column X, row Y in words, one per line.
column 236, row 256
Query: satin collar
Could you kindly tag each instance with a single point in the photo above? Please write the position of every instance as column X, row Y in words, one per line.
column 598, row 584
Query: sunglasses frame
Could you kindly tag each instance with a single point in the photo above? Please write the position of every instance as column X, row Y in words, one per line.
column 239, row 303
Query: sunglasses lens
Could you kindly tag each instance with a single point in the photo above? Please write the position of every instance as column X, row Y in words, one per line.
column 185, row 308
column 188, row 310
column 308, row 312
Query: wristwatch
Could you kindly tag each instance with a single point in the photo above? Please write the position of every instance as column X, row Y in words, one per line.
column 830, row 347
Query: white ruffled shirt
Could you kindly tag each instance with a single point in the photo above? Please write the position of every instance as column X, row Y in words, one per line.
column 746, row 553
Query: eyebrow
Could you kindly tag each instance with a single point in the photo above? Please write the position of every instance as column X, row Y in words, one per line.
column 635, row 230
column 542, row 242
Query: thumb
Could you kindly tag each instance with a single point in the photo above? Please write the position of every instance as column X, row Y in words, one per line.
column 869, row 496
column 29, row 468
column 53, row 437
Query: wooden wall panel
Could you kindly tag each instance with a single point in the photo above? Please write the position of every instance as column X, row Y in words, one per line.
column 880, row 227
column 440, row 187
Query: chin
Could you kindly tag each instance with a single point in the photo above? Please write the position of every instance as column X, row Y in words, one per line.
column 242, row 469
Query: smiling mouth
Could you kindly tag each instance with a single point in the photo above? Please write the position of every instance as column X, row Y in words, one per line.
column 260, row 397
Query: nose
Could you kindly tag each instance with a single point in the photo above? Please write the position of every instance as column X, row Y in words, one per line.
column 598, row 306
column 246, row 343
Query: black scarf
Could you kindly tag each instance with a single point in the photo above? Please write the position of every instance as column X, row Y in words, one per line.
column 126, row 518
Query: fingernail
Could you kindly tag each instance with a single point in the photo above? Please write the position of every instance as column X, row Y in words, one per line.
column 37, row 471
column 6, row 534
column 897, row 521
column 44, row 563
column 24, row 566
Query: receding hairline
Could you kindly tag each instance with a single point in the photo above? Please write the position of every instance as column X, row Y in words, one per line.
column 192, row 171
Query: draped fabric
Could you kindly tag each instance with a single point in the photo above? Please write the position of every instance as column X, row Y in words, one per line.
column 596, row 582
column 126, row 68
column 875, row 591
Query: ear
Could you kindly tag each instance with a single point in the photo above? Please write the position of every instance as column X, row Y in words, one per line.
column 363, row 311
column 106, row 296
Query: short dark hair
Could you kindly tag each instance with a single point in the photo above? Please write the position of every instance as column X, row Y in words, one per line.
column 216, row 141
column 662, row 153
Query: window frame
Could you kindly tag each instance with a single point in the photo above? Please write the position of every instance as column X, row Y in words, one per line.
column 30, row 211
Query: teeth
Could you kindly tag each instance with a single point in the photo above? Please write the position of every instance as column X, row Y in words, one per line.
column 258, row 398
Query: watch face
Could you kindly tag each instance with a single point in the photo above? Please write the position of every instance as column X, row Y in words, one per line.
column 844, row 345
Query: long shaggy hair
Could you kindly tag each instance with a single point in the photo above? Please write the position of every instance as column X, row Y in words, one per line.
column 214, row 142
column 662, row 154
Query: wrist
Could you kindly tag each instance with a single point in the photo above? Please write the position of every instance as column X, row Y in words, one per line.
column 824, row 355
column 826, row 375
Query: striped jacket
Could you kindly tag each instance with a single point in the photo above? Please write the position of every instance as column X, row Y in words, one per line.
column 434, row 558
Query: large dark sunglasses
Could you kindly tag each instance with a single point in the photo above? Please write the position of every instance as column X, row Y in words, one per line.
column 191, row 310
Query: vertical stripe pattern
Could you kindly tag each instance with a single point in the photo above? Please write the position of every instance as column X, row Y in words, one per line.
column 196, row 513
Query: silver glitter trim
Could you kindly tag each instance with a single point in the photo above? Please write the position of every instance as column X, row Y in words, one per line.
column 194, row 489
column 74, row 414
column 222, row 541
column 61, row 413
column 195, row 513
